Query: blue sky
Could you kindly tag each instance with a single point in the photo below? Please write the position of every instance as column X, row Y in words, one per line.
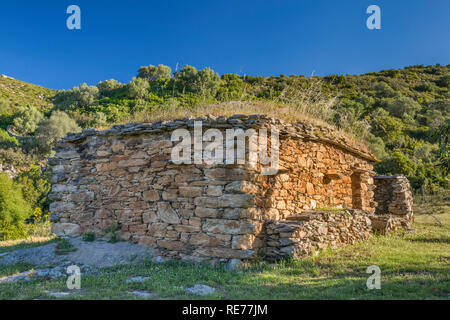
column 233, row 36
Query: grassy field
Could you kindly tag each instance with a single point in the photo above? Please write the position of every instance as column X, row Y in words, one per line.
column 413, row 266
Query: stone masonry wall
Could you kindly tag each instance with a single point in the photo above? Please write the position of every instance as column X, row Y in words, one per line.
column 312, row 231
column 124, row 177
column 394, row 196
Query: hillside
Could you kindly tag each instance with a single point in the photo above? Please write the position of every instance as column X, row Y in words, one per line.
column 18, row 93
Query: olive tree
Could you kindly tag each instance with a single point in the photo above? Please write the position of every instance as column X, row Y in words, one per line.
column 51, row 130
column 82, row 96
column 138, row 88
column 27, row 120
column 107, row 87
column 151, row 73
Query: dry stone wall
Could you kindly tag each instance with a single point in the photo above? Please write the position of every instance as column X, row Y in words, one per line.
column 311, row 231
column 395, row 203
column 124, row 178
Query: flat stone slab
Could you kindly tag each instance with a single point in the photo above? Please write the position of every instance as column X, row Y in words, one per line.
column 137, row 279
column 201, row 289
column 142, row 294
column 97, row 253
column 22, row 276
column 58, row 294
column 47, row 274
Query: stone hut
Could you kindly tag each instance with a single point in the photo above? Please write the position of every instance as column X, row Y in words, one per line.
column 322, row 193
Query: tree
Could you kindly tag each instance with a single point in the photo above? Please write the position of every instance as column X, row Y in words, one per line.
column 231, row 87
column 385, row 126
column 384, row 90
column 398, row 163
column 444, row 81
column 401, row 107
column 185, row 78
column 51, row 130
column 207, row 82
column 377, row 146
column 82, row 96
column 27, row 120
column 151, row 73
column 443, row 136
column 106, row 88
column 138, row 88
column 434, row 118
column 13, row 209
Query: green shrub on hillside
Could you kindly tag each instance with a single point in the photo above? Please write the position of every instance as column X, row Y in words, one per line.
column 27, row 120
column 6, row 141
column 35, row 185
column 14, row 209
column 4, row 105
column 138, row 88
column 400, row 107
column 51, row 130
column 397, row 163
column 108, row 87
column 81, row 96
column 444, row 81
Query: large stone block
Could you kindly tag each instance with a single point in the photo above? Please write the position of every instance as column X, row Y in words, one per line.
column 171, row 245
column 241, row 187
column 202, row 239
column 66, row 229
column 167, row 214
column 221, row 226
column 151, row 195
column 206, row 212
column 226, row 201
column 225, row 253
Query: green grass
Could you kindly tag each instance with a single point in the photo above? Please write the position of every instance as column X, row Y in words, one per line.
column 413, row 266
column 64, row 246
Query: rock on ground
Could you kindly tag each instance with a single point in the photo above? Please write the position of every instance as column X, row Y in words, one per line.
column 201, row 289
column 233, row 264
column 137, row 279
column 98, row 253
column 48, row 274
column 142, row 294
column 66, row 229
column 58, row 294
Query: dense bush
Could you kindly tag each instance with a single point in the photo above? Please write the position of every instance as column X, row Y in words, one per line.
column 444, row 81
column 4, row 105
column 401, row 107
column 27, row 120
column 6, row 141
column 151, row 73
column 107, row 88
column 82, row 96
column 14, row 209
column 51, row 130
column 138, row 88
column 397, row 163
column 35, row 185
